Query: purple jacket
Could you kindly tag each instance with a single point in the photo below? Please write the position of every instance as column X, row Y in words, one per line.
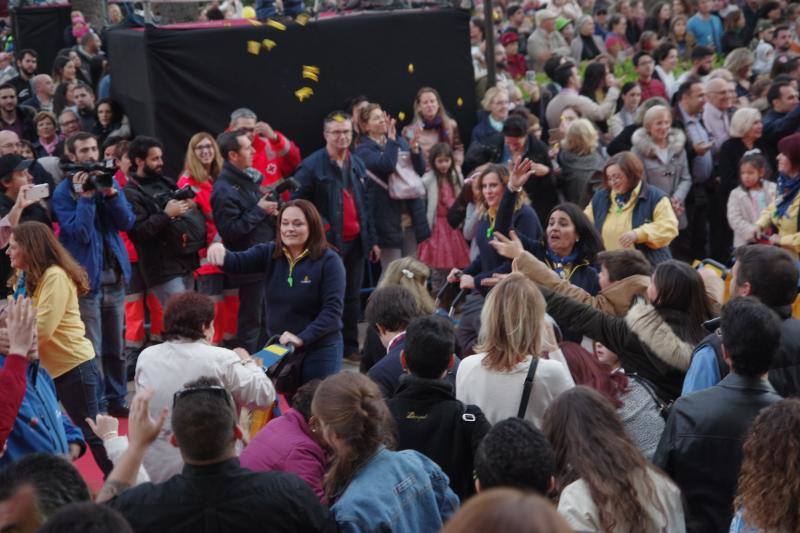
column 285, row 444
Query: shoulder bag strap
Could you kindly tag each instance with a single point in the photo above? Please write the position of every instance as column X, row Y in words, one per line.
column 526, row 388
column 377, row 180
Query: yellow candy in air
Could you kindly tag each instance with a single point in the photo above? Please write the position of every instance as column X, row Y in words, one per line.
column 254, row 47
column 339, row 117
column 411, row 68
column 304, row 93
column 275, row 24
column 302, row 19
column 253, row 21
column 311, row 68
column 269, row 44
column 459, row 102
column 401, row 115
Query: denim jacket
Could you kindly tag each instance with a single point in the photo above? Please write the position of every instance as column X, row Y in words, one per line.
column 396, row 491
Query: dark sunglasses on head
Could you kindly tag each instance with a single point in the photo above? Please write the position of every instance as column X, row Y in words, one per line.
column 214, row 390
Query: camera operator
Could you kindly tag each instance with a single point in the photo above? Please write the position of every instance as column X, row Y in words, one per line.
column 244, row 218
column 91, row 212
column 169, row 229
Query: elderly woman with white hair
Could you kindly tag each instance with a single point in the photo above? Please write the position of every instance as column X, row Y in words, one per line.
column 495, row 111
column 662, row 151
column 586, row 45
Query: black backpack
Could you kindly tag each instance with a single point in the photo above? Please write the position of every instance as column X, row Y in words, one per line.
column 186, row 234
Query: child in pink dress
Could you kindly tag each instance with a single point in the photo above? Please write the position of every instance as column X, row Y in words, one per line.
column 446, row 248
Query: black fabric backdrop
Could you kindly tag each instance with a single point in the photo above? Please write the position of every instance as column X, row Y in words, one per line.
column 42, row 29
column 176, row 82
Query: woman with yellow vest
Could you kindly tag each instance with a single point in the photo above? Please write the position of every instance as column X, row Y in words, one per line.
column 54, row 280
column 629, row 213
column 782, row 214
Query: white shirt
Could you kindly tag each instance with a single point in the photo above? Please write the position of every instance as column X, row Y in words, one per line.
column 498, row 394
column 166, row 367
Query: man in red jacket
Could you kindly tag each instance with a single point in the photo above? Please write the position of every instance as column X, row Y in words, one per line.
column 276, row 156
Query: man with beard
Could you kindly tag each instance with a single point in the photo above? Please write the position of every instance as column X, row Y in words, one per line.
column 702, row 58
column 84, row 104
column 26, row 66
column 782, row 40
column 91, row 213
column 502, row 77
column 168, row 231
column 15, row 117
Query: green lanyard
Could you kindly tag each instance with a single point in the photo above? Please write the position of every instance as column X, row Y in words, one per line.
column 292, row 263
column 490, row 229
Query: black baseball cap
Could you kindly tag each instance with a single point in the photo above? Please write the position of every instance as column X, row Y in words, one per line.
column 12, row 163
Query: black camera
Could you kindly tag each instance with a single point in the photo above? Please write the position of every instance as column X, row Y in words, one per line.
column 184, row 193
column 101, row 174
column 274, row 191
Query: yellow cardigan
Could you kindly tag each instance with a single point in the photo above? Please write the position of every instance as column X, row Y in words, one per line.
column 62, row 337
column 656, row 234
column 787, row 225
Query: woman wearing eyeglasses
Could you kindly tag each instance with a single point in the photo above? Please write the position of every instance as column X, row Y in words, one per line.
column 202, row 165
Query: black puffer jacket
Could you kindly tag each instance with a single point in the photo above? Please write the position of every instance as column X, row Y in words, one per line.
column 784, row 374
column 644, row 342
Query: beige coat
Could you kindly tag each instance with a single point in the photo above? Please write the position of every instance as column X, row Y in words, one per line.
column 589, row 108
column 741, row 215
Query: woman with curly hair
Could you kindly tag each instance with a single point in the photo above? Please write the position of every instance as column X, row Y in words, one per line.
column 606, row 484
column 769, row 488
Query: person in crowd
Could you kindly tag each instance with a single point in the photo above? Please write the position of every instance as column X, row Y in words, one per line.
column 717, row 111
column 678, row 34
column 85, row 106
column 661, row 149
column 764, row 50
column 275, row 155
column 205, row 430
column 746, row 130
column 10, row 144
column 586, row 45
column 27, row 62
column 90, row 217
column 502, row 77
column 38, row 400
column 303, row 283
column 292, row 442
column 509, row 510
column 734, row 36
column 545, row 41
column 623, row 141
column 655, row 338
column 15, row 179
column 383, row 152
column 48, row 142
column 666, row 58
column 201, row 168
column 55, row 280
column 515, row 454
column 516, row 61
column 64, row 75
column 433, row 125
column 783, row 117
column 187, row 354
column 15, row 117
column 704, row 27
column 244, row 219
column 645, row 67
column 110, row 121
column 782, row 213
column 658, row 21
column 747, row 201
column 594, row 87
column 495, row 105
column 631, row 213
column 631, row 396
column 783, row 40
column 168, row 232
column 333, row 178
column 567, row 77
column 508, row 356
column 13, row 380
column 627, row 106
column 86, row 516
column 702, row 62
column 446, row 249
column 514, row 144
column 68, row 123
column 35, row 487
column 767, row 489
column 42, row 92
column 608, row 487
column 617, row 44
column 89, row 53
column 428, row 417
column 770, row 275
column 579, row 160
column 701, row 448
column 366, row 482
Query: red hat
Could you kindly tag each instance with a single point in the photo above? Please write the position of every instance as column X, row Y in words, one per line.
column 790, row 147
column 509, row 37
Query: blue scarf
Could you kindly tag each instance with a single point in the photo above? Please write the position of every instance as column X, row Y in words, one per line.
column 437, row 124
column 787, row 191
column 621, row 200
column 559, row 263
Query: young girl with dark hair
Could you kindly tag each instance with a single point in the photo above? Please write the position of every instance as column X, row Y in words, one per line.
column 606, row 484
column 747, row 201
column 369, row 487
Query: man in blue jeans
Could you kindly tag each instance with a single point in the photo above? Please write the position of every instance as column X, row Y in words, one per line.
column 91, row 212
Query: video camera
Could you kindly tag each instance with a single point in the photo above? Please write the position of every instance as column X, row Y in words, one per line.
column 101, row 174
column 273, row 192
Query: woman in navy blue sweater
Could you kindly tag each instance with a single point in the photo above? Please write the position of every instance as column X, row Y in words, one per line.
column 305, row 282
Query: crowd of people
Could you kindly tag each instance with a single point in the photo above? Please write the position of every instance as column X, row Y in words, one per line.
column 617, row 236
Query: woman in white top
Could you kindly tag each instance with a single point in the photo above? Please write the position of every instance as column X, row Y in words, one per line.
column 605, row 482
column 511, row 336
column 185, row 356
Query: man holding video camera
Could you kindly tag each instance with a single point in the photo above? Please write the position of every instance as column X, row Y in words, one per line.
column 169, row 229
column 244, row 218
column 91, row 211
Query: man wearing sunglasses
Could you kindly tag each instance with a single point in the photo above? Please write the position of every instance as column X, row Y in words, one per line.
column 213, row 492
